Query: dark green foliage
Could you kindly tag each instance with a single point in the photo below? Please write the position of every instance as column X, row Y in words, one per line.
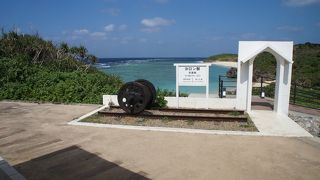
column 165, row 92
column 308, row 97
column 39, row 51
column 306, row 66
column 264, row 66
column 160, row 101
column 33, row 69
column 24, row 81
column 161, row 93
column 222, row 57
column 268, row 90
column 234, row 113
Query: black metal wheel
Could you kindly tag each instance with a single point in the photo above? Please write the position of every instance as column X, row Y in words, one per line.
column 151, row 88
column 133, row 97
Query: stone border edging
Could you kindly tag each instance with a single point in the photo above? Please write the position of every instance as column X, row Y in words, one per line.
column 169, row 129
column 11, row 172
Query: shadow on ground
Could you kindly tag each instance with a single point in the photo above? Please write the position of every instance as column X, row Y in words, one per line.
column 75, row 163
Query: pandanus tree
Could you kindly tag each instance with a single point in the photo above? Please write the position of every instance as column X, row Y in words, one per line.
column 81, row 53
column 64, row 47
column 41, row 51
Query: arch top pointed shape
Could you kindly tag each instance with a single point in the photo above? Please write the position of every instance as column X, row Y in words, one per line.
column 250, row 49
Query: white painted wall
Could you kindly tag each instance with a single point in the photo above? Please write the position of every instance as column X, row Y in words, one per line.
column 283, row 52
column 198, row 102
column 187, row 102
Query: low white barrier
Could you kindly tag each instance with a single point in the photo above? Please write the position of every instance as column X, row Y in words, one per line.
column 186, row 102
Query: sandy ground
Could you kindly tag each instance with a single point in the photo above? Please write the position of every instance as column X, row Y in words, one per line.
column 223, row 63
column 36, row 139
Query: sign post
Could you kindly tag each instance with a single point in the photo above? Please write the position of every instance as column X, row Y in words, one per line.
column 192, row 75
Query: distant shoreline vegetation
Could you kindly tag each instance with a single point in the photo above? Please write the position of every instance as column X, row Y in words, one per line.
column 222, row 57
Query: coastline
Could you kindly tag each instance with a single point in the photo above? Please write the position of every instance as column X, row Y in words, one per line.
column 223, row 63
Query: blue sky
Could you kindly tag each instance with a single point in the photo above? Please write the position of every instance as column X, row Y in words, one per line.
column 163, row 28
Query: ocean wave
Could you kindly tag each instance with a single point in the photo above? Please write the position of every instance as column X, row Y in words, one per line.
column 102, row 65
column 130, row 61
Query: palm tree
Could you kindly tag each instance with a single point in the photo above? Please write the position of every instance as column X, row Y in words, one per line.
column 92, row 58
column 64, row 47
column 82, row 51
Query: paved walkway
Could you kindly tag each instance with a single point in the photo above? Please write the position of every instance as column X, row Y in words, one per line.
column 267, row 104
column 271, row 123
column 39, row 143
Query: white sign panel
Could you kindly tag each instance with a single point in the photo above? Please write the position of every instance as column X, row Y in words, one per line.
column 193, row 75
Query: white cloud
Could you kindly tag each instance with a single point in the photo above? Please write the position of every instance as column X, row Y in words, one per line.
column 157, row 21
column 98, row 34
column 80, row 32
column 64, row 32
column 122, row 27
column 150, row 30
column 143, row 40
column 290, row 28
column 115, row 39
column 249, row 35
column 109, row 28
column 17, row 30
column 111, row 11
column 125, row 40
column 154, row 24
column 74, row 37
column 299, row 3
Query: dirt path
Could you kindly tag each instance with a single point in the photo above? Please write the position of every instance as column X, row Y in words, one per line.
column 38, row 142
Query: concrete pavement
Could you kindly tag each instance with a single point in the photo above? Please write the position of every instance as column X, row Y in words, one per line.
column 38, row 142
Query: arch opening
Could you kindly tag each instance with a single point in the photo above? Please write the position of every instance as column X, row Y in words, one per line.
column 264, row 81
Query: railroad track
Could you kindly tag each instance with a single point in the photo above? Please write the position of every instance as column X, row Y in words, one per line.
column 182, row 114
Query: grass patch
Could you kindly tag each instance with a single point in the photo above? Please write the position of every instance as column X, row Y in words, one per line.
column 234, row 113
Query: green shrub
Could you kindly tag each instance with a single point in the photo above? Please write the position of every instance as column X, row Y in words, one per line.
column 269, row 90
column 23, row 80
column 34, row 69
column 161, row 93
column 167, row 93
column 160, row 101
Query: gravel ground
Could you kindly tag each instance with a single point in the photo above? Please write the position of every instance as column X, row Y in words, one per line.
column 179, row 113
column 167, row 122
column 309, row 122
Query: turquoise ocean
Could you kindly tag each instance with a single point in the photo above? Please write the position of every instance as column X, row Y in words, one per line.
column 160, row 71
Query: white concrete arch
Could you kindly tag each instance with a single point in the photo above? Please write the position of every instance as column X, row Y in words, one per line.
column 283, row 52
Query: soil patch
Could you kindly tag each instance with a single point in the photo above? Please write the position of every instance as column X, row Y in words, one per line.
column 170, row 122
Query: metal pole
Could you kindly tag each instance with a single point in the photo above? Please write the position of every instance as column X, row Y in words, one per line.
column 177, row 85
column 220, row 90
column 207, row 87
column 219, row 87
column 261, row 85
column 294, row 93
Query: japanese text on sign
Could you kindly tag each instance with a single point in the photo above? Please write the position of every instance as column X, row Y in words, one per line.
column 193, row 75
